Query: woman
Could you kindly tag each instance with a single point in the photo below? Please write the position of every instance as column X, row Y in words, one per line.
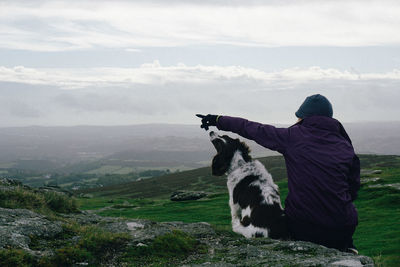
column 323, row 171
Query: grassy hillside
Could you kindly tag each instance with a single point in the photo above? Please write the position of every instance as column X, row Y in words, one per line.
column 197, row 179
column 378, row 204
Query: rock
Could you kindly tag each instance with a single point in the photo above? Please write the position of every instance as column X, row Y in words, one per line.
column 187, row 195
column 347, row 263
column 395, row 186
column 18, row 226
column 54, row 189
column 41, row 236
column 82, row 195
column 369, row 172
column 228, row 249
column 372, row 179
column 224, row 248
column 9, row 182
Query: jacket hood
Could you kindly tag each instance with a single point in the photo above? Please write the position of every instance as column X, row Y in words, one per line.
column 325, row 123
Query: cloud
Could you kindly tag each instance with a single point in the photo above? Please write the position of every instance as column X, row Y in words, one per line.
column 155, row 93
column 77, row 25
column 155, row 74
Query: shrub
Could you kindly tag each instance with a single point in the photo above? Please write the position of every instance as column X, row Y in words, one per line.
column 95, row 245
column 165, row 249
column 60, row 203
column 99, row 241
column 68, row 256
column 21, row 198
column 47, row 202
column 16, row 257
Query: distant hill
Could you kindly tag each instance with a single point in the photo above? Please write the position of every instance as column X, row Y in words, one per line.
column 147, row 146
column 197, row 180
column 202, row 180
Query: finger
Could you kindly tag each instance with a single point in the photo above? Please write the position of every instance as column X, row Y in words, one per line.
column 200, row 115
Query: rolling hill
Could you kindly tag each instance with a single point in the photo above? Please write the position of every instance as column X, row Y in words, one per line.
column 67, row 149
column 378, row 202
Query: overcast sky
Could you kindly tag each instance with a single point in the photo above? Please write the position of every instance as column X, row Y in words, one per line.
column 133, row 62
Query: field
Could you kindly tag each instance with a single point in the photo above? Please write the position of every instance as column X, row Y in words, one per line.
column 378, row 203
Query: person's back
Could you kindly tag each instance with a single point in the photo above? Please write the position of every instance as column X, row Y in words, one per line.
column 319, row 161
column 323, row 170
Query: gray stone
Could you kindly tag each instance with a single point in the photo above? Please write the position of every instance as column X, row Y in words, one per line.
column 368, row 180
column 229, row 249
column 395, row 186
column 370, row 172
column 18, row 226
column 9, row 182
column 223, row 248
column 187, row 195
column 54, row 189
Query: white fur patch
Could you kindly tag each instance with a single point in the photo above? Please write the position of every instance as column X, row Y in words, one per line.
column 214, row 136
column 249, row 231
column 239, row 169
column 246, row 212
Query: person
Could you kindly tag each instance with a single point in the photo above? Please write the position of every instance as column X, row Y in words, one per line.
column 322, row 168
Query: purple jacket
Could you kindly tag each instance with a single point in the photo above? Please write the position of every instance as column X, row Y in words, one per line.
column 323, row 170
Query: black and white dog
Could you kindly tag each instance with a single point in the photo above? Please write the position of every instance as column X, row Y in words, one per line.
column 253, row 196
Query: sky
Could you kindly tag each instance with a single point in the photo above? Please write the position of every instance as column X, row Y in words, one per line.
column 137, row 62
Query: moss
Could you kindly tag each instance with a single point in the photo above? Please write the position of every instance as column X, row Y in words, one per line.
column 41, row 202
column 16, row 257
column 68, row 256
column 60, row 203
column 21, row 198
column 164, row 249
column 94, row 245
column 99, row 242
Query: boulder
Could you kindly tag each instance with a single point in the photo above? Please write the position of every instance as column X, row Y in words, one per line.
column 365, row 172
column 187, row 195
column 228, row 249
column 223, row 248
column 18, row 226
column 54, row 189
column 41, row 236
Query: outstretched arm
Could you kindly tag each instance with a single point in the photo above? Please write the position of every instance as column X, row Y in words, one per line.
column 266, row 135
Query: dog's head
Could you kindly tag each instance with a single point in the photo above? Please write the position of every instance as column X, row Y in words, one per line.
column 226, row 148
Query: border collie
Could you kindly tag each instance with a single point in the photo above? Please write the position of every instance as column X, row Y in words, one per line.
column 253, row 196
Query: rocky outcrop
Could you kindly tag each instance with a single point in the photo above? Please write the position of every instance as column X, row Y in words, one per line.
column 19, row 226
column 365, row 172
column 55, row 189
column 223, row 248
column 44, row 236
column 228, row 249
column 187, row 195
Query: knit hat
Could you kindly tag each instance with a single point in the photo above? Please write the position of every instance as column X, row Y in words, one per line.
column 315, row 105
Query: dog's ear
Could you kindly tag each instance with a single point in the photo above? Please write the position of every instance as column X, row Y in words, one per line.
column 219, row 165
column 244, row 148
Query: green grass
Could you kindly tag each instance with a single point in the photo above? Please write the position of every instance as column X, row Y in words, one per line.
column 378, row 232
column 197, row 179
column 167, row 249
column 214, row 209
column 16, row 257
column 377, row 235
column 43, row 202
